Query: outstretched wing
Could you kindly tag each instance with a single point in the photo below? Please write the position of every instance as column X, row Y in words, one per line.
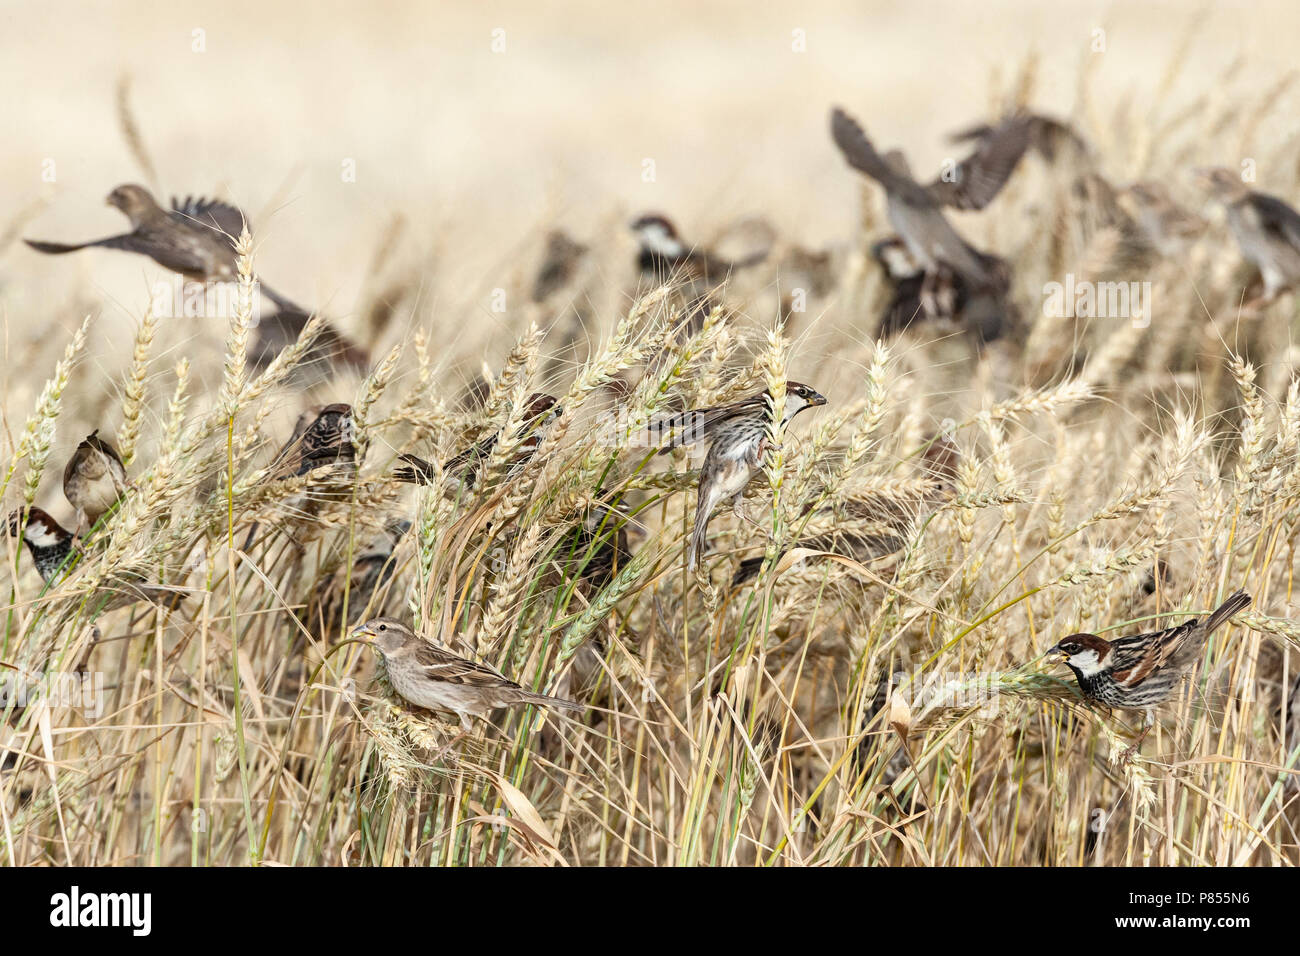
column 698, row 424
column 224, row 218
column 861, row 154
column 982, row 174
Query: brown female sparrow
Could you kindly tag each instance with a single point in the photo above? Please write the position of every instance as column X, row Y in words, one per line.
column 738, row 434
column 539, row 412
column 54, row 551
column 429, row 676
column 195, row 237
column 94, row 479
column 1267, row 231
column 1139, row 672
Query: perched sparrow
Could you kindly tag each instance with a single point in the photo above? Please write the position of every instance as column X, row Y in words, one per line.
column 1267, row 231
column 1139, row 672
column 195, row 237
column 559, row 264
column 738, row 435
column 597, row 548
column 540, row 411
column 1167, row 226
column 430, row 677
column 665, row 257
column 322, row 436
column 942, row 295
column 94, row 479
column 53, row 551
column 916, row 211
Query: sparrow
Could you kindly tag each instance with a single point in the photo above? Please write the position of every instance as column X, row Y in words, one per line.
column 539, row 412
column 322, row 436
column 916, row 211
column 195, row 238
column 1167, row 227
column 1142, row 671
column 53, row 549
column 738, row 436
column 597, row 548
column 559, row 264
column 664, row 258
column 94, row 479
column 1267, row 231
column 942, row 295
column 429, row 676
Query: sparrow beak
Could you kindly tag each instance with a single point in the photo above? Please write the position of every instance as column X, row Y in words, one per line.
column 1054, row 654
column 363, row 632
column 816, row 398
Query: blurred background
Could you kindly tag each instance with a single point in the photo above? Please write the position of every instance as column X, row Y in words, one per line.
column 474, row 153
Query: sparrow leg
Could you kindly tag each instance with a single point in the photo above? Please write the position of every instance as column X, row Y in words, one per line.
column 738, row 508
column 1133, row 749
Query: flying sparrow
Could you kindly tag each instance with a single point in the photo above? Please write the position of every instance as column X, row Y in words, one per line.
column 53, row 549
column 1142, row 671
column 1166, row 226
column 429, row 676
column 94, row 479
column 330, row 350
column 195, row 238
column 539, row 412
column 916, row 211
column 1049, row 137
column 738, row 436
column 322, row 436
column 1267, row 231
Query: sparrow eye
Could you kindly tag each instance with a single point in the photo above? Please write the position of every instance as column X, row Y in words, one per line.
column 383, row 627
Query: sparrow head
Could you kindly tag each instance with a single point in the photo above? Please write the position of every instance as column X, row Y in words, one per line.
column 40, row 530
column 799, row 396
column 385, row 634
column 135, row 202
column 337, row 419
column 541, row 408
column 657, row 234
column 894, row 258
column 1085, row 653
column 1220, row 182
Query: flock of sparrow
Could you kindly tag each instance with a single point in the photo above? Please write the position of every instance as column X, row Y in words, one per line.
column 934, row 274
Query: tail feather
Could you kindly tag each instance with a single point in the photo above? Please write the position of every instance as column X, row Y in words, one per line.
column 1237, row 602
column 545, row 700
column 56, row 248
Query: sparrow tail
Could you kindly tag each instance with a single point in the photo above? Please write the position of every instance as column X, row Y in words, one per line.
column 528, row 697
column 1237, row 602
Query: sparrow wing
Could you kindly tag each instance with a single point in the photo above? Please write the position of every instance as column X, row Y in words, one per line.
column 224, row 218
column 1134, row 659
column 861, row 154
column 981, row 175
column 1278, row 219
column 699, row 424
column 1046, row 135
column 442, row 665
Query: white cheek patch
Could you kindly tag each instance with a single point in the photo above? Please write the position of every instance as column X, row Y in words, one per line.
column 1086, row 662
column 40, row 537
column 656, row 239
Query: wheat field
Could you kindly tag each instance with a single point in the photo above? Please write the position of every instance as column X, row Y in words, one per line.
column 1106, row 475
